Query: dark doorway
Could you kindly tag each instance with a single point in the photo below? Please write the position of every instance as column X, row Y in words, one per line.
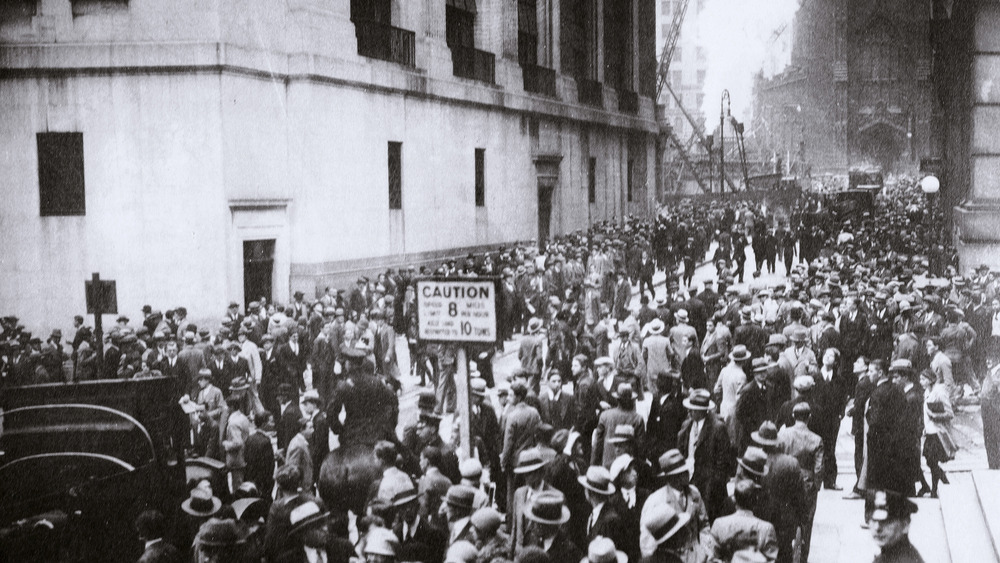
column 545, row 189
column 258, row 268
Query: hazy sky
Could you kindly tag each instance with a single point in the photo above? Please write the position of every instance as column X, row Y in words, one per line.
column 739, row 40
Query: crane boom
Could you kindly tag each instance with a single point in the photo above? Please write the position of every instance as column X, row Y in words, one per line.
column 669, row 44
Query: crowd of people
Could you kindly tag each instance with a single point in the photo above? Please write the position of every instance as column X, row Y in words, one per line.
column 747, row 385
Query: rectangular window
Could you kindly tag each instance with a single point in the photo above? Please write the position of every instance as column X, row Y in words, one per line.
column 480, row 177
column 678, row 54
column 665, row 7
column 628, row 180
column 592, row 181
column 395, row 175
column 676, row 78
column 60, row 174
column 701, row 78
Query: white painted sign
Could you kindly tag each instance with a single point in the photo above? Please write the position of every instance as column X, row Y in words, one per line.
column 457, row 310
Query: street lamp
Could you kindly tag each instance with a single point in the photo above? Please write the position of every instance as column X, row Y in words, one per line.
column 930, row 185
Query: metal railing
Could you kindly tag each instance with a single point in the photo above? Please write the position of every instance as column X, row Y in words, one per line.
column 539, row 80
column 590, row 92
column 628, row 101
column 471, row 63
column 381, row 41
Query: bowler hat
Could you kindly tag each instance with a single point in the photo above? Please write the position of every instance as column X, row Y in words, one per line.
column 597, row 480
column 699, row 400
column 238, row 384
column 548, row 507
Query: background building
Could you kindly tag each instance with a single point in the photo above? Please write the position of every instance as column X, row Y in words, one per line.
column 858, row 90
column 198, row 151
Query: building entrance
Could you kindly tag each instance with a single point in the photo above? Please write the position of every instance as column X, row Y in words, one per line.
column 258, row 270
column 545, row 188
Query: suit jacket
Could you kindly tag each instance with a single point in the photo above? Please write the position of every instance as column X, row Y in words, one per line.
column 604, row 453
column 666, row 416
column 785, row 491
column 221, row 375
column 517, row 524
column 183, row 381
column 562, row 550
column 887, row 443
column 288, row 425
column 807, row 448
column 854, row 335
column 714, row 462
column 622, row 299
column 259, row 455
column 519, row 427
column 427, row 544
column 741, row 530
column 752, row 408
column 561, row 414
column 611, row 523
column 319, row 443
column 294, row 364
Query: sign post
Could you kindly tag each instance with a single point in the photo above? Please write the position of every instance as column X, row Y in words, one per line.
column 458, row 311
column 102, row 297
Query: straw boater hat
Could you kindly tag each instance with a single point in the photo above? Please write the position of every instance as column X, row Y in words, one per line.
column 699, row 400
column 305, row 515
column 534, row 325
column 620, row 464
column 655, row 326
column 624, row 390
column 548, row 507
column 740, row 353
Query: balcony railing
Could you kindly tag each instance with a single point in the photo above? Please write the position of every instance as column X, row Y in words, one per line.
column 539, row 80
column 380, row 41
column 473, row 64
column 628, row 102
column 590, row 92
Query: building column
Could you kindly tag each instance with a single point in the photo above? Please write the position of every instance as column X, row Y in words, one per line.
column 598, row 38
column 634, row 11
column 977, row 219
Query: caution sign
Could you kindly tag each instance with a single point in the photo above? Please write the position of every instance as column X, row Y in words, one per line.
column 457, row 310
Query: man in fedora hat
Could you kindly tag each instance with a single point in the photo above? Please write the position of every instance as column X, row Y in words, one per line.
column 888, row 516
column 222, row 541
column 623, row 413
column 731, row 380
column 371, row 409
column 420, row 539
column 237, row 428
column 209, row 405
column 666, row 415
column 799, row 354
column 458, row 506
column 288, row 415
column 546, row 515
column 743, row 530
column 753, row 406
column 749, row 333
column 682, row 497
column 682, row 329
column 530, row 465
column 704, row 441
column 605, row 518
column 298, row 453
column 807, row 448
column 785, row 503
column 532, row 353
column 310, row 539
column 664, row 525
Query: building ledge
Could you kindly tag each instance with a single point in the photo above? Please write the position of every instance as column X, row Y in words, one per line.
column 978, row 222
column 259, row 203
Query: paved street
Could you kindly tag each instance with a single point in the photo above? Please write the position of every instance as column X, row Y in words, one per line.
column 837, row 533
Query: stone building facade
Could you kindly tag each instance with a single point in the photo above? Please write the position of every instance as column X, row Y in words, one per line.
column 202, row 151
column 858, row 91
